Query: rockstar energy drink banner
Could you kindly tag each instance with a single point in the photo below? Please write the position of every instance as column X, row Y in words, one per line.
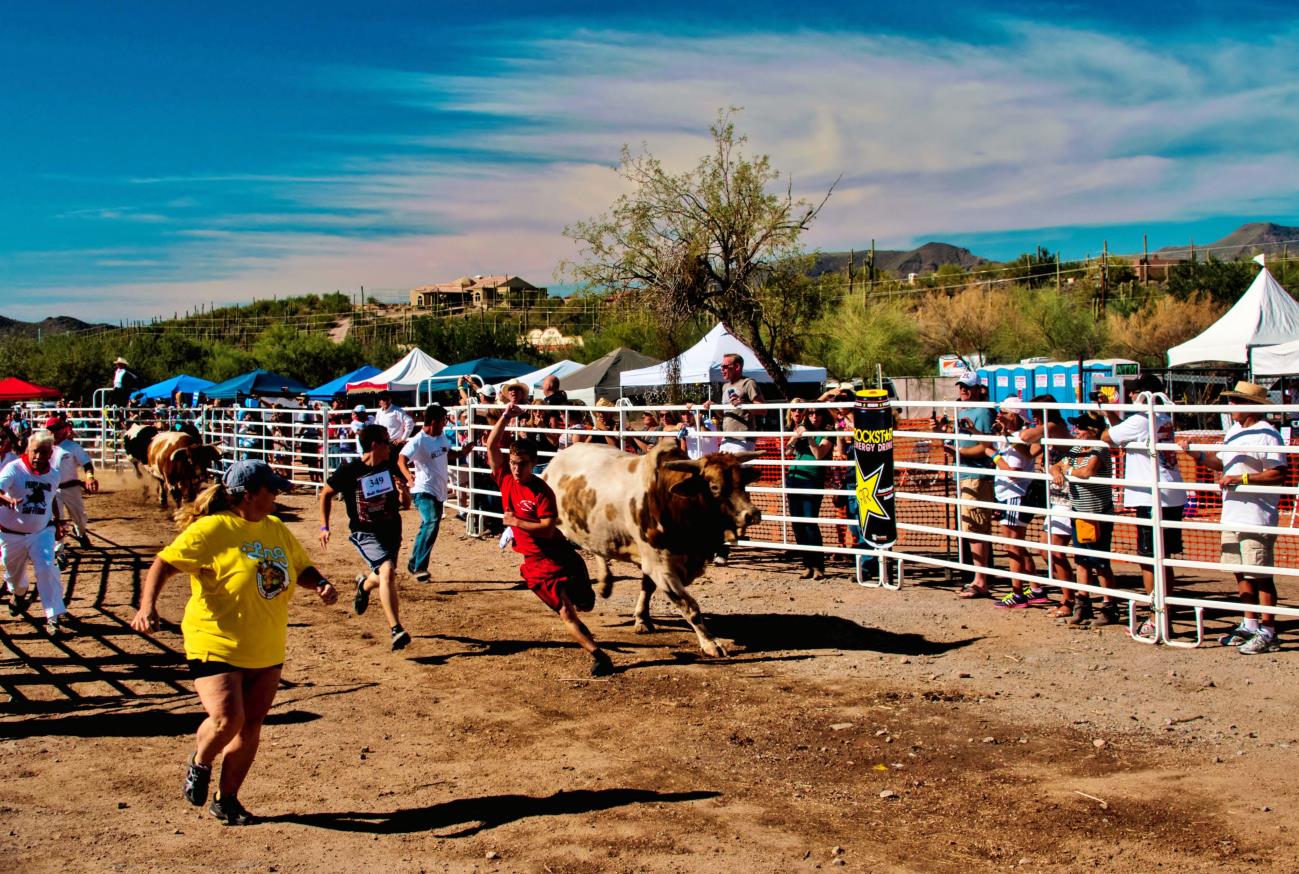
column 872, row 442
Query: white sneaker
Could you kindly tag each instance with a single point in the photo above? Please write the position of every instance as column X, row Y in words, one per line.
column 1263, row 641
column 719, row 561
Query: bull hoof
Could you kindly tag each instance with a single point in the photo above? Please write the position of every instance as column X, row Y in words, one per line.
column 643, row 627
column 713, row 649
column 606, row 588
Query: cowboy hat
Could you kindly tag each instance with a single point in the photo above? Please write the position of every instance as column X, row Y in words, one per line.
column 122, row 361
column 1248, row 391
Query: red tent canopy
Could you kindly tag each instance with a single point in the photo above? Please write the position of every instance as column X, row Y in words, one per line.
column 14, row 389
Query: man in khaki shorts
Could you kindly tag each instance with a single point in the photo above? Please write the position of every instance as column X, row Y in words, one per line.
column 1244, row 462
column 976, row 478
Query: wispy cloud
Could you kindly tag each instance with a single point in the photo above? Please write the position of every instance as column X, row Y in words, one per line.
column 1050, row 126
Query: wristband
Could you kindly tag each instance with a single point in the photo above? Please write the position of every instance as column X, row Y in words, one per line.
column 1244, row 479
column 324, row 527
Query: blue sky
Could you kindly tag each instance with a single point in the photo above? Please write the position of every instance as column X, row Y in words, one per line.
column 155, row 157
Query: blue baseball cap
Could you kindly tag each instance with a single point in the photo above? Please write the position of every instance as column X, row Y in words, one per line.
column 252, row 473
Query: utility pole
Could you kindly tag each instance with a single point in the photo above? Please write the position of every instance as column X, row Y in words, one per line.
column 852, row 256
column 1058, row 286
column 1145, row 261
column 871, row 268
column 1105, row 272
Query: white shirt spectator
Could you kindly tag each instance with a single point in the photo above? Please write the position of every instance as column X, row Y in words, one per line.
column 1250, row 508
column 36, row 493
column 1015, row 454
column 1133, row 435
column 428, row 455
column 398, row 422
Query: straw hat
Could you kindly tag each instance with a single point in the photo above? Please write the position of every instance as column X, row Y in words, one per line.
column 122, row 361
column 1247, row 391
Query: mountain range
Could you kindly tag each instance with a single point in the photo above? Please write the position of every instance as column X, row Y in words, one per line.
column 45, row 327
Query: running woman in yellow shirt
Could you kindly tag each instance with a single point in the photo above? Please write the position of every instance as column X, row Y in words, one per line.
column 243, row 565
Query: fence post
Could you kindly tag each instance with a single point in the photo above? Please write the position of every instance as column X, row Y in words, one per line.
column 324, row 446
column 473, row 522
column 788, row 511
column 1158, row 605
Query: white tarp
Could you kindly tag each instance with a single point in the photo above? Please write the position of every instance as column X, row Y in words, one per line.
column 559, row 369
column 405, row 375
column 701, row 364
column 1279, row 360
column 1265, row 315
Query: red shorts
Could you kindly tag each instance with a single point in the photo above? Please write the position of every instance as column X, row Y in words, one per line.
column 548, row 575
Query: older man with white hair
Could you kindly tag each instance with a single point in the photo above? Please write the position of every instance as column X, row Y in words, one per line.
column 29, row 530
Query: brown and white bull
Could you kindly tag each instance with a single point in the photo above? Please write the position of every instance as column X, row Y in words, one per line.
column 178, row 460
column 662, row 511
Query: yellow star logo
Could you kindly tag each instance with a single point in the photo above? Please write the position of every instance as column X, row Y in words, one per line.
column 868, row 494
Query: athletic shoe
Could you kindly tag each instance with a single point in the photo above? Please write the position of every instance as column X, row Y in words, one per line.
column 1261, row 642
column 1238, row 636
column 197, row 778
column 362, row 600
column 84, row 541
column 230, row 811
column 61, row 556
column 400, row 639
column 1108, row 614
column 1148, row 630
column 1013, row 601
column 18, row 603
column 422, row 576
column 55, row 627
column 1037, row 597
column 601, row 664
column 719, row 561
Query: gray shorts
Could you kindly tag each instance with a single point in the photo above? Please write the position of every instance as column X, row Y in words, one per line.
column 377, row 549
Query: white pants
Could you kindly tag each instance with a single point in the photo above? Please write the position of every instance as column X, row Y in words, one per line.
column 73, row 503
column 16, row 549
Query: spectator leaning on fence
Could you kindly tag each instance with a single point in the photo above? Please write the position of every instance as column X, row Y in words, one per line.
column 738, row 391
column 975, row 482
column 1057, row 529
column 1011, row 455
column 1245, row 461
column 1080, row 464
column 803, row 476
column 1141, row 461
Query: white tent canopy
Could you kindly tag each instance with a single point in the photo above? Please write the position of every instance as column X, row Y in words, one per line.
column 405, row 375
column 559, row 369
column 1279, row 360
column 1265, row 315
column 701, row 364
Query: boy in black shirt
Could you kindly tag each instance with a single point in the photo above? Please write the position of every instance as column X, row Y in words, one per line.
column 375, row 493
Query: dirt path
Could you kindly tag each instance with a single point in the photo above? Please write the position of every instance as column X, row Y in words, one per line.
column 851, row 728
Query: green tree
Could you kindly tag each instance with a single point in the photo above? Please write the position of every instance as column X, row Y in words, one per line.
column 705, row 241
column 1223, row 281
column 862, row 335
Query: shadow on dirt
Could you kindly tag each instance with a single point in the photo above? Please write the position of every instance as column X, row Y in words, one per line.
column 487, row 812
column 765, row 632
column 137, row 723
column 503, row 647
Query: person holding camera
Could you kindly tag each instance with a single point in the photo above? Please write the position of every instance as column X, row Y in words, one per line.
column 737, row 391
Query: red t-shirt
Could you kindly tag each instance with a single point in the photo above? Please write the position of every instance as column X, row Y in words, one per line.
column 531, row 503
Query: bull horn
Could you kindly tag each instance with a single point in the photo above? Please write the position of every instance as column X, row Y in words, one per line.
column 683, row 465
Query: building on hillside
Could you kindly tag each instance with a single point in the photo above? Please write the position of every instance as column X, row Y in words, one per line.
column 1154, row 268
column 477, row 292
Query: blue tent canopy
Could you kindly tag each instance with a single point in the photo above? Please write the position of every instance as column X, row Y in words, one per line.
column 339, row 386
column 489, row 370
column 257, row 382
column 168, row 387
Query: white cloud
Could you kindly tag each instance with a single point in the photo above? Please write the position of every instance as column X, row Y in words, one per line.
column 1053, row 127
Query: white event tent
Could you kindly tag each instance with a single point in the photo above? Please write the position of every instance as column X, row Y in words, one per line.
column 1279, row 360
column 701, row 364
column 559, row 369
column 1265, row 315
column 405, row 375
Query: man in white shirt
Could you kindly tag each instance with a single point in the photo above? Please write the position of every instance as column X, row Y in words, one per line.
column 428, row 453
column 69, row 458
column 1140, row 462
column 29, row 529
column 1246, row 462
column 398, row 422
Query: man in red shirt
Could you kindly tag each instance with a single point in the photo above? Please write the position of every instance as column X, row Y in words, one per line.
column 551, row 567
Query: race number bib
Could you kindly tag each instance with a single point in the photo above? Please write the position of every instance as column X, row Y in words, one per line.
column 376, row 484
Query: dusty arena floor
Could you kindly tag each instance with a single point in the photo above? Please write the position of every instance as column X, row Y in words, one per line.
column 850, row 728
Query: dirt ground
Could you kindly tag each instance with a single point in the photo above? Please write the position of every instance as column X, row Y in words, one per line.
column 850, row 728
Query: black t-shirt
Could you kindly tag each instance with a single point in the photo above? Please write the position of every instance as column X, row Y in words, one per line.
column 370, row 495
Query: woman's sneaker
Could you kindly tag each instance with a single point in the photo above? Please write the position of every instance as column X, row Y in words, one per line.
column 1013, row 601
column 400, row 638
column 1037, row 597
column 1237, row 636
column 197, row 778
column 230, row 811
column 362, row 600
column 1262, row 641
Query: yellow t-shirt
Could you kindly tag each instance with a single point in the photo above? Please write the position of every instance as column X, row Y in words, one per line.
column 242, row 575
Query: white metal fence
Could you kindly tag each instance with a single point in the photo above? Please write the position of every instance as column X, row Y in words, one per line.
column 306, row 444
